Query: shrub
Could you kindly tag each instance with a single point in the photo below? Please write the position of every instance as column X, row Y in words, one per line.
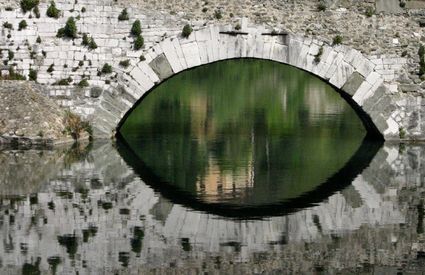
column 83, row 9
column 92, row 44
column 52, row 11
column 218, row 14
column 369, row 12
column 27, row 5
column 125, row 63
column 33, row 75
column 83, row 83
column 123, row 15
column 187, row 30
column 86, row 40
column 8, row 9
column 75, row 126
column 38, row 40
column 318, row 56
column 106, row 69
column 136, row 29
column 142, row 58
column 204, row 9
column 238, row 27
column 404, row 53
column 37, row 12
column 402, row 4
column 14, row 76
column 63, row 82
column 10, row 54
column 70, row 29
column 51, row 68
column 7, row 25
column 139, row 42
column 22, row 25
column 337, row 40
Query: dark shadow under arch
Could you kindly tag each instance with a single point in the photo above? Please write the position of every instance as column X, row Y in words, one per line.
column 341, row 179
column 372, row 131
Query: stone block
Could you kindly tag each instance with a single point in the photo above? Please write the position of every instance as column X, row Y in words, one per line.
column 161, row 67
column 353, row 83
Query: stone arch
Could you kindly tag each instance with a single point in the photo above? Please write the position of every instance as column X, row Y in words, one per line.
column 347, row 69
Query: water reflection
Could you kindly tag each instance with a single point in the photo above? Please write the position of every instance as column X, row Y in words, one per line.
column 84, row 209
column 244, row 134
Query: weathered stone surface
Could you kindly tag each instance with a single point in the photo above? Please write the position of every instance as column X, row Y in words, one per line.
column 353, row 83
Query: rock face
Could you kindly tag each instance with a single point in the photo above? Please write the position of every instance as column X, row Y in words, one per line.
column 29, row 117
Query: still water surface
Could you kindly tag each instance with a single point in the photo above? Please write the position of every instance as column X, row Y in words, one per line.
column 238, row 167
column 244, row 133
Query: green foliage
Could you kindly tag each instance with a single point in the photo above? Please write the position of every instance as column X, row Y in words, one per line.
column 10, row 54
column 318, row 56
column 238, row 27
column 106, row 69
column 337, row 40
column 38, row 40
column 70, row 29
column 136, row 29
column 123, row 15
column 75, row 126
column 92, row 44
column 22, row 25
column 369, row 12
column 125, row 63
column 33, row 75
column 13, row 75
column 52, row 11
column 83, row 9
column 218, row 14
column 187, row 30
column 142, row 58
column 402, row 133
column 7, row 25
column 51, row 68
column 86, row 40
column 83, row 83
column 27, row 5
column 36, row 11
column 139, row 42
column 63, row 82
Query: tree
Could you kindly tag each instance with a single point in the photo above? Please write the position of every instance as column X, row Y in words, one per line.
column 187, row 30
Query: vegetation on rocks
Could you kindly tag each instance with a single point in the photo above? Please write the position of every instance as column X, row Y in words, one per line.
column 27, row 5
column 75, row 126
column 22, row 25
column 70, row 29
column 187, row 30
column 421, row 54
column 52, row 11
column 139, row 42
column 106, row 69
column 318, row 56
column 337, row 40
column 136, row 29
column 123, row 15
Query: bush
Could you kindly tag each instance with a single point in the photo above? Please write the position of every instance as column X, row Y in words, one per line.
column 13, row 75
column 52, row 11
column 318, row 56
column 75, row 126
column 139, row 42
column 38, row 40
column 125, row 63
column 63, row 82
column 27, row 5
column 204, row 9
column 7, row 25
column 369, row 12
column 70, row 29
column 83, row 9
column 22, row 25
column 218, row 14
column 51, row 68
column 106, row 69
column 33, row 75
column 187, row 30
column 92, row 44
column 37, row 12
column 86, row 40
column 142, row 58
column 238, row 27
column 83, row 83
column 136, row 29
column 337, row 40
column 123, row 15
column 10, row 54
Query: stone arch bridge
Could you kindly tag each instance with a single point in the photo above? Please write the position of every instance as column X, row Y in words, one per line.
column 357, row 77
column 368, row 83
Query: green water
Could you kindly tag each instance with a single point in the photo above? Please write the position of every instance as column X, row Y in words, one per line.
column 243, row 132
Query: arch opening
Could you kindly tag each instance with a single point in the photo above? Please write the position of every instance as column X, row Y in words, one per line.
column 226, row 131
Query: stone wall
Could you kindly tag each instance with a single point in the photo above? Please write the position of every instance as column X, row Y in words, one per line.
column 378, row 40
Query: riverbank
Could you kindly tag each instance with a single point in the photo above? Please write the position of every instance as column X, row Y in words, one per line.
column 29, row 118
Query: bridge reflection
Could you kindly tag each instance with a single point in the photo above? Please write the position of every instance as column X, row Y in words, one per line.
column 89, row 208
